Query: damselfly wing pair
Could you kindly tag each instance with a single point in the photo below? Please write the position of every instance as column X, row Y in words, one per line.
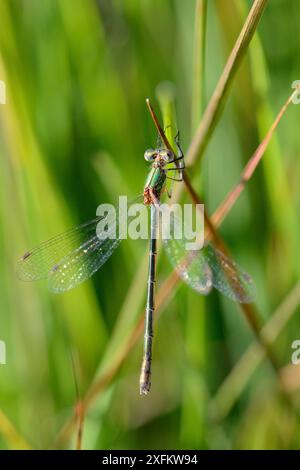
column 70, row 258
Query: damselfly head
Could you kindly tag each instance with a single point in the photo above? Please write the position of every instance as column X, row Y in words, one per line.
column 167, row 155
column 150, row 155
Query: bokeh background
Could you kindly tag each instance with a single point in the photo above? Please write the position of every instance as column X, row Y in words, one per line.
column 72, row 135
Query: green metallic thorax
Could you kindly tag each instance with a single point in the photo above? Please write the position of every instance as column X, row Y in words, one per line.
column 156, row 180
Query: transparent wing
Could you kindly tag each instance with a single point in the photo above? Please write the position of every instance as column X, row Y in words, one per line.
column 227, row 276
column 207, row 267
column 72, row 257
column 37, row 263
column 80, row 264
column 192, row 268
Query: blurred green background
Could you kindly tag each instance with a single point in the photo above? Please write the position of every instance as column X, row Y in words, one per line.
column 72, row 135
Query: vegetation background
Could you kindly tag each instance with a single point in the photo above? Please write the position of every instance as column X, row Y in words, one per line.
column 72, row 135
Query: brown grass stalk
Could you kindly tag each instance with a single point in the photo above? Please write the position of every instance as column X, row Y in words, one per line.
column 251, row 166
column 216, row 103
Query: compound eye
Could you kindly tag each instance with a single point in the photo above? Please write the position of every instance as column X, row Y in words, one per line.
column 167, row 155
column 149, row 155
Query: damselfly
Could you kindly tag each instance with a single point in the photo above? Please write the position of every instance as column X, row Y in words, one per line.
column 72, row 257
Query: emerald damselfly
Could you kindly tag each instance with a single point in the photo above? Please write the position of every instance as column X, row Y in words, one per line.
column 72, row 257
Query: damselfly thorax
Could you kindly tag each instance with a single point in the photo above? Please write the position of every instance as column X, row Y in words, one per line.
column 161, row 160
